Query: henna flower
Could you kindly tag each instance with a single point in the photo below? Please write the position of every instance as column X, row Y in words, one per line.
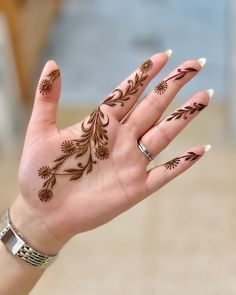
column 45, row 87
column 68, row 147
column 45, row 195
column 161, row 87
column 44, row 172
column 102, row 152
column 146, row 66
column 54, row 75
column 172, row 164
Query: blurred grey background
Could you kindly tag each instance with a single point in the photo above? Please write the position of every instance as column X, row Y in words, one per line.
column 181, row 240
column 97, row 43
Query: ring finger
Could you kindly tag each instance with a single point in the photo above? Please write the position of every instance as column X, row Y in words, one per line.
column 148, row 112
column 159, row 136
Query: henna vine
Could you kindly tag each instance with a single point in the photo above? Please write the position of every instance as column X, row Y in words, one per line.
column 92, row 145
column 191, row 156
column 45, row 85
column 188, row 110
column 163, row 85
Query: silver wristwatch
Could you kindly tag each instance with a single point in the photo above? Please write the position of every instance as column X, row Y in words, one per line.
column 14, row 242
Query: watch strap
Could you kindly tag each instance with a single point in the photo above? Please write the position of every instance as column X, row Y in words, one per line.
column 15, row 243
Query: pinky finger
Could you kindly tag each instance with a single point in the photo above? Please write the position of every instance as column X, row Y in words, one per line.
column 161, row 175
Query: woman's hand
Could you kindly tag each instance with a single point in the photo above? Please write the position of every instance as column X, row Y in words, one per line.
column 75, row 179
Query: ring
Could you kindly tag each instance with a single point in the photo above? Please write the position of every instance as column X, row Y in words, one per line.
column 145, row 151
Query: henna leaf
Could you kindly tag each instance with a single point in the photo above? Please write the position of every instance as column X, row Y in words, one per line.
column 56, row 166
column 197, row 107
column 179, row 76
column 46, row 183
column 81, row 151
column 89, row 167
column 191, row 69
column 72, row 170
column 77, row 175
column 60, row 158
column 53, row 181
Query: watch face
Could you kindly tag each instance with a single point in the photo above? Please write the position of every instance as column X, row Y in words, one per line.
column 12, row 241
column 8, row 236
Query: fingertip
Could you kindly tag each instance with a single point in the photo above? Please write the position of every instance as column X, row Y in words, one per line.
column 49, row 85
column 47, row 96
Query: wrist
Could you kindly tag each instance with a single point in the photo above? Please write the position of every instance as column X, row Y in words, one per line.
column 32, row 226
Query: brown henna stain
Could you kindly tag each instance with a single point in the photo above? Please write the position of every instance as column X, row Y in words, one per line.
column 45, row 86
column 188, row 110
column 93, row 141
column 191, row 156
column 163, row 85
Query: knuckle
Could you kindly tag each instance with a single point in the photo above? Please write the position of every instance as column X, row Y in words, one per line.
column 165, row 135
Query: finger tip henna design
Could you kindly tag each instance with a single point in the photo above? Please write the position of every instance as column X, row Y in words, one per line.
column 45, row 86
column 190, row 156
column 187, row 110
column 119, row 97
column 163, row 85
column 146, row 66
column 94, row 139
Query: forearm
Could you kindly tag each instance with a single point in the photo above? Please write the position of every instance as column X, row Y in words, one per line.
column 17, row 277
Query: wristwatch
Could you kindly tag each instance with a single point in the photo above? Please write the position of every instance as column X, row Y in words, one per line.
column 17, row 246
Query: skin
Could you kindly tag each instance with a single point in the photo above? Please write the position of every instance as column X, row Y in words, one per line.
column 113, row 186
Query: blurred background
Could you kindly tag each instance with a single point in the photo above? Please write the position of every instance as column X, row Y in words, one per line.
column 181, row 240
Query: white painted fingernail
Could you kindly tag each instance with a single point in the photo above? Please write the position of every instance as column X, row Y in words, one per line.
column 202, row 61
column 207, row 148
column 210, row 92
column 168, row 52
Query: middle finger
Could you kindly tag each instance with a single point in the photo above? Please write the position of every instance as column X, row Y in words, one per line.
column 148, row 112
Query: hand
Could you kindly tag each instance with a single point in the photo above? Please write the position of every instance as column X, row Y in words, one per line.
column 78, row 178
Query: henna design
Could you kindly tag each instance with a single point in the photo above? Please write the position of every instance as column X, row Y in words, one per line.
column 191, row 156
column 146, row 66
column 45, row 85
column 93, row 141
column 131, row 89
column 188, row 110
column 163, row 85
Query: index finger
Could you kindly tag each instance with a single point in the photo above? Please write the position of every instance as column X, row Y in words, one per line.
column 122, row 99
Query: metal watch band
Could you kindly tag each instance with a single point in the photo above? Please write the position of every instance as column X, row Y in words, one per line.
column 15, row 243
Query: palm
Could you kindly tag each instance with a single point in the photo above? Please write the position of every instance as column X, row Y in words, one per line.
column 87, row 174
column 114, row 180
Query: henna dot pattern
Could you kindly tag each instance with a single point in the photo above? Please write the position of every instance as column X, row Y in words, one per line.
column 190, row 156
column 91, row 146
column 163, row 85
column 45, row 86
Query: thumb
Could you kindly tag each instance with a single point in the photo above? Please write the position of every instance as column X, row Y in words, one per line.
column 47, row 97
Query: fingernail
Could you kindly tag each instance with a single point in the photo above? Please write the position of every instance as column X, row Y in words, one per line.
column 202, row 61
column 207, row 148
column 168, row 52
column 210, row 92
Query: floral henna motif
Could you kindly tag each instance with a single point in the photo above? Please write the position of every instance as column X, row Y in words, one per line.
column 45, row 85
column 191, row 156
column 163, row 85
column 93, row 141
column 188, row 110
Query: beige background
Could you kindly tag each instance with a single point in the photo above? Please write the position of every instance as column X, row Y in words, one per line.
column 181, row 240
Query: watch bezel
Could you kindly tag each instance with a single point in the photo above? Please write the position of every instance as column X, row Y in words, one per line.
column 12, row 240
